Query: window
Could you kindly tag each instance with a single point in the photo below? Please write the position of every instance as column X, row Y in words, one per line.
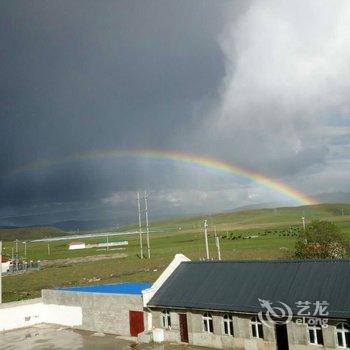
column 257, row 329
column 208, row 322
column 315, row 335
column 166, row 321
column 343, row 335
column 228, row 324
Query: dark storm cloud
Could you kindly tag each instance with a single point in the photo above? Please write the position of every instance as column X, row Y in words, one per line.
column 260, row 84
column 85, row 74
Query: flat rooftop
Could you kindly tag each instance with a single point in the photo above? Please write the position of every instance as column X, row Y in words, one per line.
column 114, row 288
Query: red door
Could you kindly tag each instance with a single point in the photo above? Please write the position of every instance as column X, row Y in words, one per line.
column 136, row 322
column 183, row 328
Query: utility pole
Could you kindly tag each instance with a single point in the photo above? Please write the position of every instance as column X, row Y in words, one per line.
column 25, row 249
column 303, row 221
column 107, row 243
column 206, row 238
column 17, row 254
column 140, row 224
column 217, row 242
column 147, row 227
column 0, row 272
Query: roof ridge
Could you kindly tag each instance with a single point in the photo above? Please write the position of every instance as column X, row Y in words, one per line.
column 274, row 261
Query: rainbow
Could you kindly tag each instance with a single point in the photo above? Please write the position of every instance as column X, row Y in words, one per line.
column 204, row 161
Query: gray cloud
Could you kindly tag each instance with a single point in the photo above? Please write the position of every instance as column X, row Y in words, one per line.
column 286, row 68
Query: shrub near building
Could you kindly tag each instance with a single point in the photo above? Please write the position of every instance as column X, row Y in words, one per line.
column 322, row 240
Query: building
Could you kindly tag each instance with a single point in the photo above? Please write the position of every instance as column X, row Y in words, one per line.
column 76, row 245
column 109, row 308
column 5, row 264
column 240, row 304
column 251, row 305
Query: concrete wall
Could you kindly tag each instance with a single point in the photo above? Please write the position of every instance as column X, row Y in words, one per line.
column 242, row 334
column 298, row 336
column 101, row 312
column 242, row 338
column 30, row 312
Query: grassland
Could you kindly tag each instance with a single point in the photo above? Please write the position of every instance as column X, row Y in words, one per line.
column 270, row 231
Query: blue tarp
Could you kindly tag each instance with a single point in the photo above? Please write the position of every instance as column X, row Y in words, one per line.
column 116, row 288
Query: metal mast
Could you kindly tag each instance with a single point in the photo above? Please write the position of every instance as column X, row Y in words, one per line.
column 0, row 272
column 140, row 224
column 147, row 227
column 206, row 238
column 303, row 221
column 217, row 242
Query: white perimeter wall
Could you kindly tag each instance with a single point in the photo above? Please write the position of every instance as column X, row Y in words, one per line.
column 147, row 294
column 30, row 312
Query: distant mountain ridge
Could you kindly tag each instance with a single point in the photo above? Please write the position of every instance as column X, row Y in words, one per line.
column 270, row 205
column 108, row 223
column 333, row 197
column 81, row 225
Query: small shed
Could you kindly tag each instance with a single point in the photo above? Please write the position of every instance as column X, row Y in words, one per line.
column 76, row 245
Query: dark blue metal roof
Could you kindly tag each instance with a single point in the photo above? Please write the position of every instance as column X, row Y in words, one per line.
column 116, row 288
column 238, row 285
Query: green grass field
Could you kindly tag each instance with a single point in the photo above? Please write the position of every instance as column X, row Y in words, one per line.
column 271, row 232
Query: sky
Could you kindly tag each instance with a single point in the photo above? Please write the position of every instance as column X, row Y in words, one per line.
column 264, row 85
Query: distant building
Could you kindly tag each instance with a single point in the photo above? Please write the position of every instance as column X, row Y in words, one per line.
column 112, row 244
column 5, row 264
column 76, row 245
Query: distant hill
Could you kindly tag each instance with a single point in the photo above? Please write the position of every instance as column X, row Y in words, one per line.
column 257, row 218
column 239, row 218
column 334, row 197
column 251, row 212
column 85, row 225
column 262, row 206
column 28, row 233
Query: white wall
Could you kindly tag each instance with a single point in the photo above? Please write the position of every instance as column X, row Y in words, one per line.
column 5, row 266
column 20, row 314
column 147, row 294
column 30, row 312
column 76, row 246
column 63, row 315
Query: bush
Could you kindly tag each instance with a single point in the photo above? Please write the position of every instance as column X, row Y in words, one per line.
column 321, row 240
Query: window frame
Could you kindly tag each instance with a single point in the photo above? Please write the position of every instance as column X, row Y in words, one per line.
column 256, row 328
column 227, row 324
column 166, row 319
column 315, row 330
column 208, row 326
column 343, row 331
